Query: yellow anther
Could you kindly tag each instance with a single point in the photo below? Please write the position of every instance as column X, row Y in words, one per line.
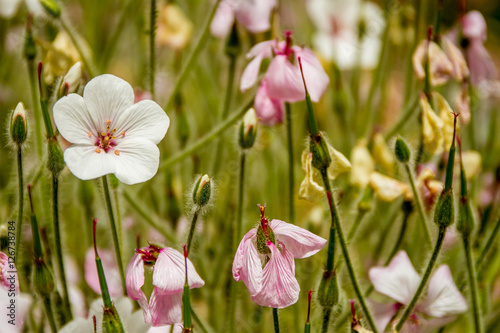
column 106, row 138
column 114, row 129
column 107, row 127
column 123, row 133
column 113, row 137
column 90, row 134
column 117, row 152
column 108, row 121
column 103, row 134
column 97, row 150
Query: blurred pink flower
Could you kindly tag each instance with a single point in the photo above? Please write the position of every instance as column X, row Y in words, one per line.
column 110, row 266
column 400, row 281
column 165, row 304
column 283, row 77
column 254, row 15
column 268, row 110
column 273, row 246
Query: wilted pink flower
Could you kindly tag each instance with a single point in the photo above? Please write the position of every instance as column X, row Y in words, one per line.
column 110, row 266
column 268, row 110
column 400, row 281
column 264, row 261
column 254, row 15
column 165, row 304
column 283, row 77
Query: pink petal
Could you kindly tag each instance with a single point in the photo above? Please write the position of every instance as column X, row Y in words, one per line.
column 251, row 72
column 169, row 273
column 268, row 110
column 165, row 329
column 300, row 242
column 284, row 80
column 382, row 314
column 279, row 285
column 5, row 276
column 255, row 15
column 316, row 78
column 223, row 19
column 165, row 309
column 247, row 265
column 474, row 25
column 399, row 280
column 110, row 266
column 480, row 64
column 443, row 298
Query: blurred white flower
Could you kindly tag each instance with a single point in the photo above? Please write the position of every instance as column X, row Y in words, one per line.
column 9, row 8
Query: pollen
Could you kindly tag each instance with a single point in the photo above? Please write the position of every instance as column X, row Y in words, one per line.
column 90, row 134
column 117, row 152
column 97, row 150
column 123, row 133
column 108, row 121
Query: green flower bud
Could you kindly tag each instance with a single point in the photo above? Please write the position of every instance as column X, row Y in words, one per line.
column 43, row 279
column 111, row 322
column 321, row 158
column 328, row 291
column 402, row 151
column 55, row 162
column 248, row 129
column 182, row 129
column 444, row 213
column 51, row 7
column 233, row 45
column 19, row 125
column 202, row 191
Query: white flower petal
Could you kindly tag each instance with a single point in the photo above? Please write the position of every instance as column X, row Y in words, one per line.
column 8, row 8
column 382, row 314
column 223, row 19
column 137, row 161
column 300, row 242
column 247, row 265
column 73, row 120
column 85, row 163
column 165, row 309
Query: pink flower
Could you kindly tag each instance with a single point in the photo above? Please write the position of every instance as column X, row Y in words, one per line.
column 110, row 265
column 283, row 77
column 165, row 304
column 400, row 281
column 264, row 261
column 254, row 15
column 268, row 110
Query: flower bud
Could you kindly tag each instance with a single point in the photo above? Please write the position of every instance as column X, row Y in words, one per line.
column 328, row 291
column 202, row 191
column 19, row 125
column 233, row 45
column 321, row 158
column 402, row 151
column 444, row 213
column 51, row 7
column 43, row 279
column 55, row 162
column 248, row 129
column 71, row 81
column 111, row 322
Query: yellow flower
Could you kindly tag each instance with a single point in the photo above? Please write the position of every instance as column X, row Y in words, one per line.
column 382, row 154
column 446, row 115
column 432, row 128
column 472, row 163
column 58, row 56
column 460, row 69
column 440, row 68
column 174, row 28
column 362, row 165
column 386, row 188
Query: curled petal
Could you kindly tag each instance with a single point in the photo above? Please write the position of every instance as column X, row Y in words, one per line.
column 339, row 164
column 398, row 280
column 460, row 69
column 432, row 128
column 309, row 189
column 362, row 165
column 247, row 265
column 300, row 242
column 386, row 188
column 269, row 110
column 279, row 285
column 284, row 80
column 315, row 76
column 134, row 280
column 165, row 309
column 440, row 66
column 448, row 120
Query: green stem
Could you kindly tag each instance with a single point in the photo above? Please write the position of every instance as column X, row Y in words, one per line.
column 489, row 243
column 472, row 284
column 152, row 31
column 57, row 235
column 420, row 205
column 428, row 271
column 291, row 176
column 357, row 221
column 192, row 228
column 345, row 252
column 19, row 226
column 406, row 115
column 327, row 311
column 189, row 64
column 50, row 314
column 116, row 241
column 276, row 321
column 36, row 109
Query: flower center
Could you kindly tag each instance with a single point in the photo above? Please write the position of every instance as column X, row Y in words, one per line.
column 106, row 140
column 149, row 254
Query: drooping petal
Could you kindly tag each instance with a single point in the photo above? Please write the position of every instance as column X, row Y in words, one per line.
column 432, row 128
column 398, row 280
column 108, row 259
column 106, row 96
column 268, row 110
column 315, row 76
column 134, row 280
column 443, row 298
column 382, row 314
column 284, row 80
column 309, row 188
column 223, row 19
column 339, row 164
column 247, row 265
column 362, row 164
column 387, row 189
column 165, row 309
column 446, row 115
column 169, row 273
column 85, row 163
column 482, row 68
column 255, row 15
column 382, row 155
column 251, row 72
column 137, row 160
column 145, row 120
column 474, row 25
column 460, row 69
column 279, row 285
column 73, row 120
column 300, row 242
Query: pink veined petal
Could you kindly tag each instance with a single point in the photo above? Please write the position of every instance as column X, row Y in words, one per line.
column 398, row 280
column 223, row 19
column 138, row 160
column 383, row 313
column 134, row 280
column 247, row 265
column 251, row 72
column 298, row 241
column 284, row 80
column 5, row 277
column 279, row 285
column 145, row 120
column 255, row 15
column 85, row 163
column 165, row 309
column 316, row 78
column 443, row 298
column 264, row 49
column 110, row 266
column 474, row 25
column 169, row 273
column 166, row 329
column 73, row 120
column 106, row 96
column 268, row 110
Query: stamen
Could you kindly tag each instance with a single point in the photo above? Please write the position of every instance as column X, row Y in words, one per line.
column 106, row 138
column 117, row 153
column 97, row 150
column 114, row 130
column 103, row 134
column 123, row 133
column 113, row 137
column 107, row 127
column 108, row 121
column 90, row 134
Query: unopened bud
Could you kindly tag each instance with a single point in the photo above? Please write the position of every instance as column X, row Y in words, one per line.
column 51, row 7
column 248, row 129
column 233, row 45
column 321, row 158
column 71, row 81
column 111, row 322
column 202, row 191
column 402, row 151
column 19, row 125
column 55, row 162
column 444, row 214
column 328, row 291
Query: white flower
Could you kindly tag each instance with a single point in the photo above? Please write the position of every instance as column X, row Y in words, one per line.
column 109, row 133
column 9, row 8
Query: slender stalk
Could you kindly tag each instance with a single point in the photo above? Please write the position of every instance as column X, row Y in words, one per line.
column 152, row 32
column 50, row 314
column 428, row 271
column 406, row 115
column 19, row 226
column 471, row 270
column 192, row 228
column 276, row 321
column 345, row 252
column 420, row 205
column 357, row 221
column 36, row 109
column 291, row 175
column 193, row 56
column 114, row 231
column 57, row 235
column 489, row 243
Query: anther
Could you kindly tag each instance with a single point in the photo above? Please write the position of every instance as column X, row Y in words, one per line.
column 117, row 152
column 108, row 121
column 107, row 127
column 106, row 138
column 90, row 134
column 103, row 134
column 114, row 130
column 97, row 150
column 123, row 133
